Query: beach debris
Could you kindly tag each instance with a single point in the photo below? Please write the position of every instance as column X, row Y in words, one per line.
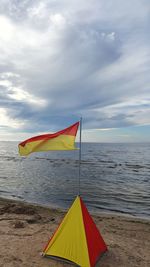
column 6, row 208
column 17, row 209
column 23, row 210
column 35, row 219
column 19, row 224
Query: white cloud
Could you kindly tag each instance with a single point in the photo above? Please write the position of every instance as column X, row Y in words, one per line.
column 109, row 36
column 58, row 20
column 21, row 95
column 17, row 93
column 6, row 75
column 7, row 121
column 5, row 83
column 38, row 11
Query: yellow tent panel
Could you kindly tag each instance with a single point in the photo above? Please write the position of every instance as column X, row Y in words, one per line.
column 69, row 242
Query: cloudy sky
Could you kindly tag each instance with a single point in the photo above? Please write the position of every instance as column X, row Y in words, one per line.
column 62, row 59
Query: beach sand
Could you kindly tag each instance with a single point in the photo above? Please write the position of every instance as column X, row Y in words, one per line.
column 25, row 230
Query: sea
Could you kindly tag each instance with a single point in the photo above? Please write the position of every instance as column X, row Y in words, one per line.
column 114, row 179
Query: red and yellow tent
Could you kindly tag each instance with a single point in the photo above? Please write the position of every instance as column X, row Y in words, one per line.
column 77, row 239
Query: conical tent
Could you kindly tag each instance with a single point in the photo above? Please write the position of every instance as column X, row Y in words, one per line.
column 77, row 239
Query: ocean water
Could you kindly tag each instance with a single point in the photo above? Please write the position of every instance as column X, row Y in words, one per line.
column 115, row 178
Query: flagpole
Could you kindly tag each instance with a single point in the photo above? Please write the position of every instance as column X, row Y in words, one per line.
column 80, row 157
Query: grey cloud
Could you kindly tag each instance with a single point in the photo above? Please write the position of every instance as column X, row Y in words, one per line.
column 80, row 57
column 15, row 9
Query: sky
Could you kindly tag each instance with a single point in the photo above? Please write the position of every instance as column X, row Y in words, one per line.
column 63, row 59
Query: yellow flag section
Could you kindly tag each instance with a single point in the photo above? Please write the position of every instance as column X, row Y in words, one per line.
column 62, row 140
column 71, row 240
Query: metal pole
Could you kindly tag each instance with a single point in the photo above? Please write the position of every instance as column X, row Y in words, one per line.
column 80, row 156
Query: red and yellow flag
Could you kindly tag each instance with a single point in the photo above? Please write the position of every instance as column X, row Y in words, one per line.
column 62, row 140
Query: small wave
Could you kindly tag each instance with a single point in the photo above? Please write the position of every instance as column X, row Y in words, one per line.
column 4, row 191
column 135, row 166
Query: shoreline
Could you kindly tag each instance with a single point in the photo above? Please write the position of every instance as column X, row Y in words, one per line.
column 25, row 229
column 93, row 212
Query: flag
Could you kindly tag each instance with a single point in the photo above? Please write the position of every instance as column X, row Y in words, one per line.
column 62, row 140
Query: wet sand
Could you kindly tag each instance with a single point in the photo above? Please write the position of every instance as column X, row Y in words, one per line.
column 25, row 230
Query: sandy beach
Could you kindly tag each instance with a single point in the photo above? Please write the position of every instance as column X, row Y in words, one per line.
column 25, row 229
